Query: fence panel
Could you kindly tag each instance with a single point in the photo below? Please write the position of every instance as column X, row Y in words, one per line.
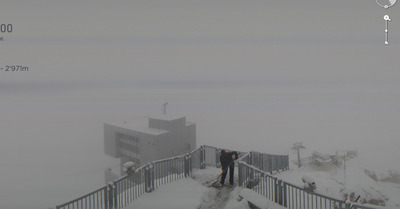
column 211, row 155
column 196, row 158
column 97, row 199
column 285, row 194
column 128, row 188
column 267, row 162
column 168, row 170
column 298, row 198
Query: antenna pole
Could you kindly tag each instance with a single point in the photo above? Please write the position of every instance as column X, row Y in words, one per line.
column 165, row 108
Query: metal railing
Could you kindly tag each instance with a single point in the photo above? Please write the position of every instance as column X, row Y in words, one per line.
column 96, row 199
column 126, row 189
column 283, row 193
column 255, row 171
column 270, row 163
column 211, row 156
column 197, row 158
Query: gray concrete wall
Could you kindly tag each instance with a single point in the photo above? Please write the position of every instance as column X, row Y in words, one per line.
column 191, row 135
column 146, row 144
column 164, row 145
column 178, row 138
column 110, row 141
column 175, row 125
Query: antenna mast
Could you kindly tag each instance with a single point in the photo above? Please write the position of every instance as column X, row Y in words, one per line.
column 165, row 108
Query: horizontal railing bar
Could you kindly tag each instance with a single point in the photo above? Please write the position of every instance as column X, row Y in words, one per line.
column 171, row 158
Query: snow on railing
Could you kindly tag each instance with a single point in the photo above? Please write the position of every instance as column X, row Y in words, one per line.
column 286, row 194
column 283, row 193
column 267, row 162
column 126, row 189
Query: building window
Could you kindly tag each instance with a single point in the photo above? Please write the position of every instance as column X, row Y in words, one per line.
column 129, row 146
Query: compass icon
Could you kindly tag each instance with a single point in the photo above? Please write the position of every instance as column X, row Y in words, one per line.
column 386, row 3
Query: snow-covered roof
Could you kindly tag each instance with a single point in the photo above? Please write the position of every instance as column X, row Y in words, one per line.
column 167, row 117
column 139, row 126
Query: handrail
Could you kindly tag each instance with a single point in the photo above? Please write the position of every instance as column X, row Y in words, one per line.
column 127, row 188
column 283, row 193
column 104, row 188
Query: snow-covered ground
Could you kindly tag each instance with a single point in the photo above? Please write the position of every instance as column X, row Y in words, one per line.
column 193, row 193
column 184, row 193
column 250, row 74
column 356, row 180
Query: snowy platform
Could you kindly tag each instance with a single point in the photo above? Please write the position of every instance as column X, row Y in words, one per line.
column 194, row 193
column 191, row 193
column 184, row 193
column 258, row 200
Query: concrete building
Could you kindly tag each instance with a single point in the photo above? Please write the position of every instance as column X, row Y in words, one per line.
column 162, row 137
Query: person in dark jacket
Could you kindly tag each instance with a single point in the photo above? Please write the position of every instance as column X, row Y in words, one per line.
column 227, row 162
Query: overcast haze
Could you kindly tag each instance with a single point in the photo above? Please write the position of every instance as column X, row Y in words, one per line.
column 253, row 75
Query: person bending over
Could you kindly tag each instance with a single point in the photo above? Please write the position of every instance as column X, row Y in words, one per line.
column 227, row 162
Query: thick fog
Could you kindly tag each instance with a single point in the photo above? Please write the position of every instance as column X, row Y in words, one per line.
column 253, row 75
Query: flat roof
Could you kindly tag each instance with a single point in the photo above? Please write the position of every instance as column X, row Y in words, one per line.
column 139, row 127
column 167, row 117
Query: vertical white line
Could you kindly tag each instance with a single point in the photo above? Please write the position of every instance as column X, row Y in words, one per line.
column 386, row 32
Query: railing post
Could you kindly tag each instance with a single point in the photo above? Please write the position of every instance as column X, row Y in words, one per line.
column 105, row 197
column 148, row 177
column 275, row 190
column 110, row 196
column 202, row 157
column 251, row 158
column 217, row 153
column 270, row 164
column 190, row 164
column 115, row 193
column 279, row 191
column 152, row 176
column 251, row 177
column 240, row 173
column 284, row 194
column 186, row 164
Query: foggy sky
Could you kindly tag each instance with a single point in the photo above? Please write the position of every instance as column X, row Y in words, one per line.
column 253, row 75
